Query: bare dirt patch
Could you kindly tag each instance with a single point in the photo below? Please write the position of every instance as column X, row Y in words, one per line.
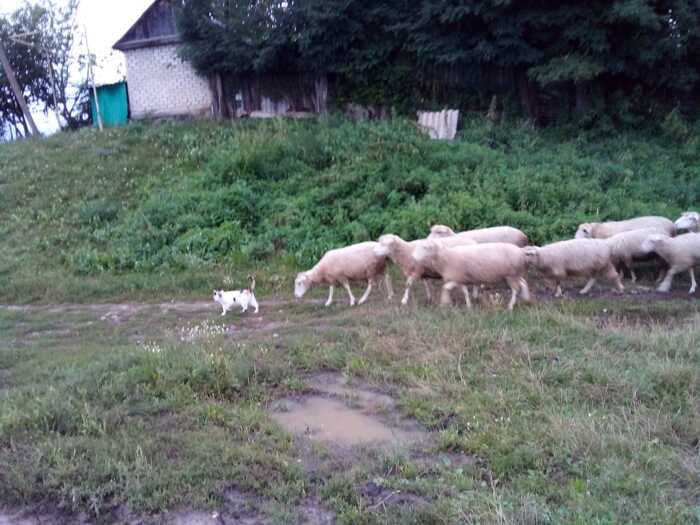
column 641, row 319
column 4, row 380
column 238, row 508
column 39, row 516
column 376, row 496
column 345, row 414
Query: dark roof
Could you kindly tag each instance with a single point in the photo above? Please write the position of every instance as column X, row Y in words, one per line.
column 156, row 26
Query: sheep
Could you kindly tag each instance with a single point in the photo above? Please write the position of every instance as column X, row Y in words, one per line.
column 603, row 230
column 357, row 262
column 681, row 253
column 627, row 246
column 476, row 264
column 506, row 234
column 690, row 220
column 401, row 252
column 588, row 257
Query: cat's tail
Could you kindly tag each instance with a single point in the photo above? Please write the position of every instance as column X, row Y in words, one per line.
column 251, row 278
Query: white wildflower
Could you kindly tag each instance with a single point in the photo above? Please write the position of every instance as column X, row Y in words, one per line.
column 206, row 331
column 152, row 348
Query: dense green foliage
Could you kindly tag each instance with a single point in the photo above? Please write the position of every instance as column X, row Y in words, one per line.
column 625, row 57
column 191, row 196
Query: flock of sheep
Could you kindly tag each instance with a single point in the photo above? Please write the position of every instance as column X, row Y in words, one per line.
column 501, row 253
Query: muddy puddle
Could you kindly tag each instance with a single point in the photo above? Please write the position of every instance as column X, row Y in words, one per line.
column 345, row 414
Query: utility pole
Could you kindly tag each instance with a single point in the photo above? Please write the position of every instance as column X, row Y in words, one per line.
column 91, row 79
column 53, row 89
column 16, row 89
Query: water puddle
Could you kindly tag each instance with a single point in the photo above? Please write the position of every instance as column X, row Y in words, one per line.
column 345, row 414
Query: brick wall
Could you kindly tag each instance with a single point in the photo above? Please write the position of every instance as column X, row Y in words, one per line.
column 161, row 84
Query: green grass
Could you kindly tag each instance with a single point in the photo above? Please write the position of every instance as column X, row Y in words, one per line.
column 163, row 210
column 568, row 419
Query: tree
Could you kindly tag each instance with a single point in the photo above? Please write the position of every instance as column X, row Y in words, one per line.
column 28, row 66
column 42, row 47
column 65, row 62
column 557, row 58
column 237, row 37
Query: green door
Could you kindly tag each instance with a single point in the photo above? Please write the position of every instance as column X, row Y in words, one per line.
column 114, row 105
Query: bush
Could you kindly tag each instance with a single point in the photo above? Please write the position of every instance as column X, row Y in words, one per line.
column 190, row 194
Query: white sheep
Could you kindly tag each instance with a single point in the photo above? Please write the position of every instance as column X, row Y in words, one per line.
column 357, row 262
column 401, row 252
column 681, row 253
column 476, row 264
column 690, row 220
column 575, row 257
column 625, row 247
column 506, row 234
column 603, row 230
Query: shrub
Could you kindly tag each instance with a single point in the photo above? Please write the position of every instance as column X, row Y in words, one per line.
column 188, row 194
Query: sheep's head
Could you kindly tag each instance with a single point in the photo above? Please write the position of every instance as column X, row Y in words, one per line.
column 424, row 251
column 652, row 242
column 585, row 231
column 440, row 230
column 690, row 220
column 531, row 254
column 302, row 283
column 386, row 244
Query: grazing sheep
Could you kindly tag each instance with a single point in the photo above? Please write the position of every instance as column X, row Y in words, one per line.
column 587, row 257
column 681, row 253
column 625, row 247
column 357, row 262
column 690, row 220
column 476, row 264
column 603, row 230
column 506, row 234
column 401, row 252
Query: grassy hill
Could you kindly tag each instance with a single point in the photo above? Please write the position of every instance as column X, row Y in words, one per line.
column 173, row 208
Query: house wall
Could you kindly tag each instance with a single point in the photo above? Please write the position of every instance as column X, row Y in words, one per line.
column 161, row 84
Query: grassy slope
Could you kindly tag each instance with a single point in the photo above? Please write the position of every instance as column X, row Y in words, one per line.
column 169, row 210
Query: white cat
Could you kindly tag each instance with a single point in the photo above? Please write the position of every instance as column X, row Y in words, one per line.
column 244, row 298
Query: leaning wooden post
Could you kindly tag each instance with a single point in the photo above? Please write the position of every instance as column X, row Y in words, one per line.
column 16, row 89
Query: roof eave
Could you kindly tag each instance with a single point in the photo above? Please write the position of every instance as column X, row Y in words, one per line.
column 147, row 42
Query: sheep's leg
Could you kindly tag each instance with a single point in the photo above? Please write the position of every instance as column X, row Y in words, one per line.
column 514, row 284
column 428, row 290
column 409, row 283
column 367, row 291
column 612, row 275
column 465, row 291
column 588, row 286
column 346, row 285
column 389, row 286
column 445, row 298
column 665, row 285
column 557, row 291
column 330, row 295
column 693, row 284
column 661, row 276
column 475, row 293
column 524, row 290
column 628, row 263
